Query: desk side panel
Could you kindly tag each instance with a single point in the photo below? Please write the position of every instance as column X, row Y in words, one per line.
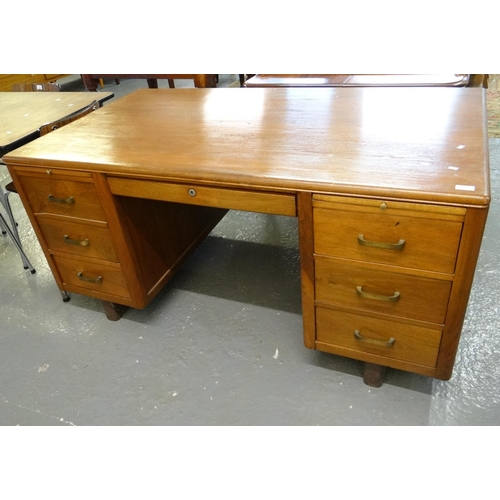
column 468, row 254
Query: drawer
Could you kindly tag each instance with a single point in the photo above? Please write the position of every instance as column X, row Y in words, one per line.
column 384, row 338
column 71, row 198
column 92, row 275
column 380, row 236
column 77, row 238
column 381, row 291
column 193, row 194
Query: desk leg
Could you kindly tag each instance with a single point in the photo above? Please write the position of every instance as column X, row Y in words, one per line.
column 113, row 311
column 152, row 83
column 373, row 375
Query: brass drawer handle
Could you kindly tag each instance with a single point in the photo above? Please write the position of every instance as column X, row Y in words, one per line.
column 91, row 280
column 82, row 243
column 70, row 200
column 377, row 244
column 376, row 296
column 381, row 343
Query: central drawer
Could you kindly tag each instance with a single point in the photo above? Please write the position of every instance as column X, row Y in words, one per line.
column 193, row 194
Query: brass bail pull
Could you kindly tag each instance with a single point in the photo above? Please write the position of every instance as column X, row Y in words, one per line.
column 90, row 280
column 380, row 343
column 375, row 296
column 70, row 200
column 379, row 244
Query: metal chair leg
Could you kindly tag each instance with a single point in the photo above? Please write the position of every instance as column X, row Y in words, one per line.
column 8, row 209
column 26, row 262
column 4, row 200
column 2, row 225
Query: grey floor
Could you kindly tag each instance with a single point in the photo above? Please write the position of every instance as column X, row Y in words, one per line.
column 222, row 344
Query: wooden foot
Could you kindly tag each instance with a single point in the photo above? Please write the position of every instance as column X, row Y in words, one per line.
column 113, row 311
column 373, row 375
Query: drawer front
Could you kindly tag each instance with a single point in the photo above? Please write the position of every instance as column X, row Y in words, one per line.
column 92, row 275
column 413, row 242
column 380, row 291
column 63, row 197
column 77, row 238
column 193, row 194
column 379, row 337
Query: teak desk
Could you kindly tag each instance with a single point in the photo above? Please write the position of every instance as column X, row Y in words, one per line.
column 390, row 187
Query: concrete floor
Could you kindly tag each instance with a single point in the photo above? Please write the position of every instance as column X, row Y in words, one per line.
column 222, row 343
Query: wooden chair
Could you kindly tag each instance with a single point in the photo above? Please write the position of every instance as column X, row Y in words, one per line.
column 36, row 87
column 49, row 127
column 11, row 188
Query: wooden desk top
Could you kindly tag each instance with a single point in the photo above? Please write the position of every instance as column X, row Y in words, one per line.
column 23, row 113
column 424, row 144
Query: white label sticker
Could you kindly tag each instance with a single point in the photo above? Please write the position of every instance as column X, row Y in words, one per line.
column 462, row 187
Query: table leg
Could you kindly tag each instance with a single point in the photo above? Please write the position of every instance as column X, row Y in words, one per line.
column 113, row 311
column 152, row 83
column 90, row 83
column 205, row 81
column 373, row 375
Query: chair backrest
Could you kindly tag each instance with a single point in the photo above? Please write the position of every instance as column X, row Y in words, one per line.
column 36, row 87
column 49, row 127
